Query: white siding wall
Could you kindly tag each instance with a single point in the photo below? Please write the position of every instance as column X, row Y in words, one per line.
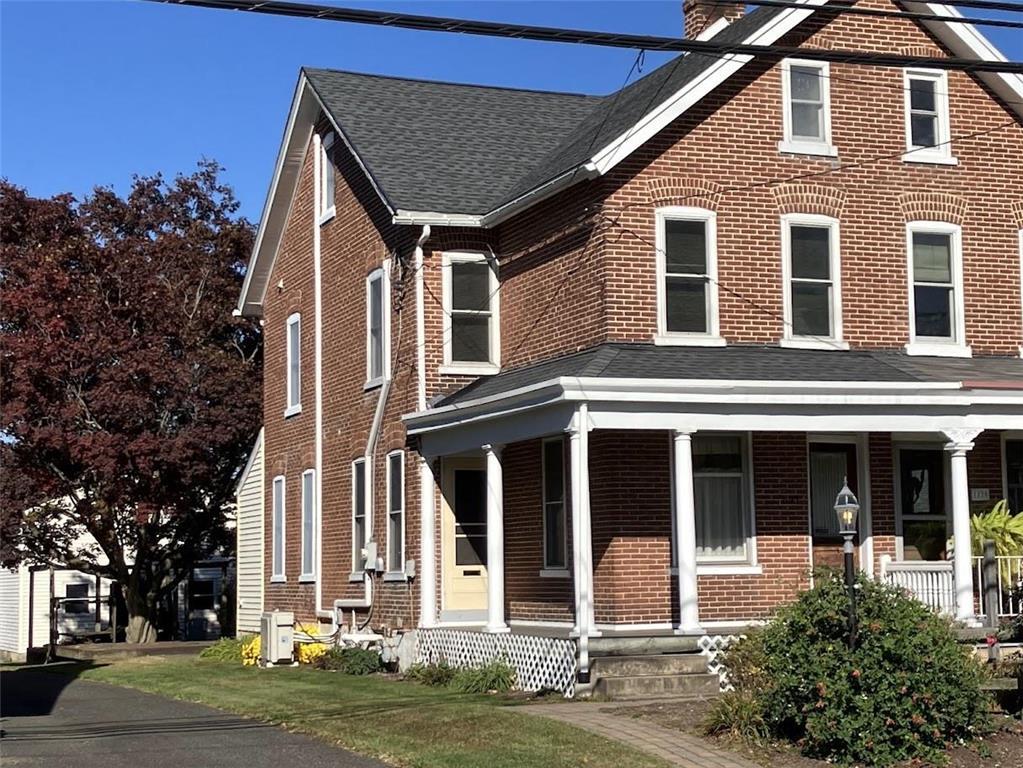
column 10, row 611
column 250, row 543
column 67, row 624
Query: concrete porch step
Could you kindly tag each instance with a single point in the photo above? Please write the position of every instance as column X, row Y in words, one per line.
column 640, row 645
column 644, row 686
column 662, row 664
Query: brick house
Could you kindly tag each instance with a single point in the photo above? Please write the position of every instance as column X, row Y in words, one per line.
column 588, row 367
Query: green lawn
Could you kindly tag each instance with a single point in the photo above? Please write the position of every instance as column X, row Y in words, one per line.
column 401, row 723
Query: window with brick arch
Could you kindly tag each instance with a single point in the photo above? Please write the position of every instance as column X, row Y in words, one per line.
column 811, row 268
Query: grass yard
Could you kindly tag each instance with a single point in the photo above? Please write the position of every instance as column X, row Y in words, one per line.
column 401, row 723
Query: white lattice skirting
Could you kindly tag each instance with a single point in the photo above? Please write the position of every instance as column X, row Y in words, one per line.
column 540, row 663
column 712, row 646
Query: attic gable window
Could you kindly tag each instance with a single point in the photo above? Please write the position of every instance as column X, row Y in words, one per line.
column 806, row 114
column 687, row 291
column 927, row 121
column 327, row 179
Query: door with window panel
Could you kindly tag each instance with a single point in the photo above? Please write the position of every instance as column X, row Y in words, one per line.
column 464, row 549
column 830, row 465
column 923, row 503
column 1014, row 474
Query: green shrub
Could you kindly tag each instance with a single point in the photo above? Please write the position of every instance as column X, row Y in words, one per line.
column 226, row 649
column 350, row 661
column 906, row 691
column 497, row 676
column 431, row 674
column 738, row 714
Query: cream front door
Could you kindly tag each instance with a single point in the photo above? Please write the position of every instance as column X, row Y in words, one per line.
column 464, row 515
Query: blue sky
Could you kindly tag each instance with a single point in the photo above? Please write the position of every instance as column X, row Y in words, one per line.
column 92, row 92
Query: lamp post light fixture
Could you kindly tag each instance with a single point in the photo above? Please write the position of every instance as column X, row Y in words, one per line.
column 847, row 508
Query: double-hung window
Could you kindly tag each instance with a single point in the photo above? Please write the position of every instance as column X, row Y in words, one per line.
column 721, row 486
column 806, row 115
column 937, row 323
column 927, row 119
column 687, row 293
column 293, row 346
column 396, row 512
column 77, row 606
column 812, row 277
column 555, row 554
column 308, row 525
column 471, row 319
column 277, row 530
column 377, row 327
column 327, row 179
column 359, row 517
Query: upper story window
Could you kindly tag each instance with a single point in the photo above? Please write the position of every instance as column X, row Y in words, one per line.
column 277, row 530
column 293, row 343
column 327, row 179
column 308, row 525
column 927, row 121
column 377, row 327
column 937, row 323
column 555, row 537
column 687, row 292
column 396, row 512
column 811, row 270
column 806, row 115
column 471, row 314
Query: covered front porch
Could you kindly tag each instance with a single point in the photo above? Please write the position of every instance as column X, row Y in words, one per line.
column 593, row 507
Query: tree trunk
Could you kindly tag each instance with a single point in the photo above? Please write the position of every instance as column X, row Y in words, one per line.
column 142, row 613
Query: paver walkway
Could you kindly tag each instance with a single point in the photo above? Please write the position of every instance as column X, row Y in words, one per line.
column 608, row 719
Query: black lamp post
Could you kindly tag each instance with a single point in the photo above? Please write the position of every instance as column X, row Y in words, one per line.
column 847, row 508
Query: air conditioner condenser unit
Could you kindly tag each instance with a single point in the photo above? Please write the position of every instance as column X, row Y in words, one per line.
column 277, row 638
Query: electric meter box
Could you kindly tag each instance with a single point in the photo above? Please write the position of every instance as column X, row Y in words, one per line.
column 277, row 638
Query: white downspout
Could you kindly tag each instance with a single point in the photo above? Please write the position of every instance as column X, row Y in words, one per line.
column 420, row 322
column 318, row 380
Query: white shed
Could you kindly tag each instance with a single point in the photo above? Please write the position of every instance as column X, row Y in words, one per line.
column 249, row 548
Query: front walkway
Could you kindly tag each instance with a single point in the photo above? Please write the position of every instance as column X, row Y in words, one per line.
column 607, row 719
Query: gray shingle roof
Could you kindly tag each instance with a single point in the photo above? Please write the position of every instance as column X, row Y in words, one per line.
column 742, row 363
column 452, row 148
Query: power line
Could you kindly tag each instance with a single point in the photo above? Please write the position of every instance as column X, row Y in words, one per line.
column 589, row 37
column 856, row 10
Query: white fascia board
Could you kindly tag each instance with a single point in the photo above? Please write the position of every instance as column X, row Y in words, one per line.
column 256, row 447
column 690, row 95
column 967, row 41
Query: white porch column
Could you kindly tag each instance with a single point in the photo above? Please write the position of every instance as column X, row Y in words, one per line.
column 495, row 540
column 685, row 537
column 960, row 443
column 427, row 539
column 582, row 538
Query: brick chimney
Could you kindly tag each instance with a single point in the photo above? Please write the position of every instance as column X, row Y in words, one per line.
column 700, row 15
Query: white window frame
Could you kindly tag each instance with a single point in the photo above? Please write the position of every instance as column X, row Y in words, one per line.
column 798, row 145
column 1020, row 235
column 327, row 179
column 1008, row 435
column 712, row 336
column 941, row 154
column 395, row 571
column 553, row 571
column 293, row 407
column 308, row 545
column 471, row 368
column 381, row 273
column 956, row 346
column 357, row 568
column 707, row 565
column 278, row 572
column 789, row 338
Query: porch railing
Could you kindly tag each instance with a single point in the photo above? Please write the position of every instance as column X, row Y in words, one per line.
column 933, row 583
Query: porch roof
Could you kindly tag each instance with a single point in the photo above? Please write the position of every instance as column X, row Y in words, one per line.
column 738, row 364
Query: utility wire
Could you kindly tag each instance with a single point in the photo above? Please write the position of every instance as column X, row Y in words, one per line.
column 610, row 39
column 856, row 10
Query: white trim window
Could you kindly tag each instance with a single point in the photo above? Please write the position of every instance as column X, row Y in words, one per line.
column 378, row 317
column 806, row 108
column 277, row 530
column 472, row 341
column 293, row 353
column 937, row 322
column 308, row 562
column 723, row 489
column 396, row 512
column 811, row 271
column 687, row 289
column 1012, row 470
column 555, row 534
column 927, row 118
column 328, row 179
column 360, row 518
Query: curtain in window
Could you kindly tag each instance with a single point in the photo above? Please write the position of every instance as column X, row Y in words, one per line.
column 720, row 516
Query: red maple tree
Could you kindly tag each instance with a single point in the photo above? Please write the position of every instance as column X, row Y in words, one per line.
column 130, row 393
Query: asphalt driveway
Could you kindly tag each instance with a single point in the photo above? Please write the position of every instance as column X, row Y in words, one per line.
column 49, row 719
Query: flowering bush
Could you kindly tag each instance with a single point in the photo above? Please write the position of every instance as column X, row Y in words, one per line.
column 310, row 653
column 250, row 651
